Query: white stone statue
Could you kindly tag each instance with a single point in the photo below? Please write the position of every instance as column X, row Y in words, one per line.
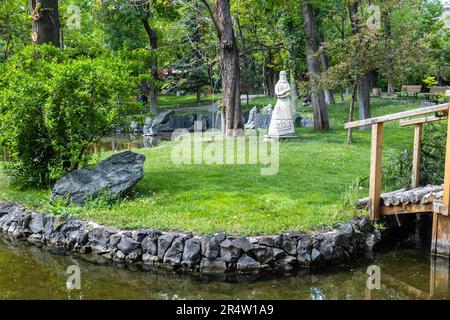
column 282, row 124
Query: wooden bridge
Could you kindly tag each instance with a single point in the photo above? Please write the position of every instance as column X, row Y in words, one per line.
column 416, row 200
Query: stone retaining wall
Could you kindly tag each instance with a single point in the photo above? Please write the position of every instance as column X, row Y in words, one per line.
column 214, row 253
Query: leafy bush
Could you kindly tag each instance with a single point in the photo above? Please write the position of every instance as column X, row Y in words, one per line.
column 397, row 172
column 53, row 109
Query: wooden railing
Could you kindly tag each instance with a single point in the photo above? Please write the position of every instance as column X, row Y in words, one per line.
column 377, row 152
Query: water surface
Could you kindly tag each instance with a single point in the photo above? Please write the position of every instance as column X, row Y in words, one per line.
column 28, row 272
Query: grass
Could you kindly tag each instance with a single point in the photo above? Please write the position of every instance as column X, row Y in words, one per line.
column 317, row 177
column 174, row 102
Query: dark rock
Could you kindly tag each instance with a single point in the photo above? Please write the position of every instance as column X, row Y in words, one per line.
column 365, row 225
column 210, row 246
column 305, row 242
column 289, row 245
column 217, row 265
column 221, row 236
column 134, row 256
column 229, row 251
column 175, row 252
column 192, row 252
column 315, row 255
column 263, row 254
column 150, row 243
column 326, row 248
column 52, row 224
column 20, row 216
column 139, row 235
column 279, row 254
column 6, row 208
column 36, row 238
column 119, row 256
column 150, row 259
column 268, row 241
column 247, row 264
column 371, row 240
column 114, row 176
column 12, row 227
column 37, row 223
column 304, row 258
column 339, row 255
column 5, row 221
column 343, row 238
column 114, row 240
column 243, row 243
column 164, row 243
column 127, row 245
column 99, row 238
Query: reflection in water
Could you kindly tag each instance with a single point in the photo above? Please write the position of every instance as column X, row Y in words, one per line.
column 123, row 142
column 27, row 272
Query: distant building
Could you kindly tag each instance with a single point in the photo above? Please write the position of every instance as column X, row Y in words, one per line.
column 446, row 15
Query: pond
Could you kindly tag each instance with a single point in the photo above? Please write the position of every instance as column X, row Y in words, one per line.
column 28, row 272
column 119, row 143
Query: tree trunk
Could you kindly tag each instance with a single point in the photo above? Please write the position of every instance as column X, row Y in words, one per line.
column 363, row 79
column 364, row 98
column 317, row 95
column 153, row 46
column 329, row 95
column 389, row 59
column 270, row 76
column 294, row 93
column 45, row 22
column 230, row 70
column 350, row 114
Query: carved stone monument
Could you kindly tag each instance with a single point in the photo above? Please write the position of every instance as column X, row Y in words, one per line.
column 282, row 124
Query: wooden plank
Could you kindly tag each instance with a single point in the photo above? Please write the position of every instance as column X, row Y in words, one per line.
column 408, row 209
column 375, row 171
column 439, row 272
column 411, row 122
column 446, row 197
column 397, row 116
column 415, row 178
column 441, row 235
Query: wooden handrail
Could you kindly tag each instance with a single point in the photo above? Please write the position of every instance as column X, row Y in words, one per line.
column 397, row 116
column 412, row 122
column 377, row 152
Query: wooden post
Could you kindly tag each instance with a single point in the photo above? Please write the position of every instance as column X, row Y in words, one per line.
column 415, row 179
column 439, row 272
column 441, row 220
column 375, row 171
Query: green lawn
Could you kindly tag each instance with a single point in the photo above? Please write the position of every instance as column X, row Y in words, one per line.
column 189, row 100
column 314, row 181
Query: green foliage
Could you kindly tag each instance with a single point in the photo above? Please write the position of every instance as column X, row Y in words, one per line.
column 397, row 173
column 52, row 109
column 430, row 82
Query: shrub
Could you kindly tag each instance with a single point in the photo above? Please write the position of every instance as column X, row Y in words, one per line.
column 397, row 172
column 53, row 109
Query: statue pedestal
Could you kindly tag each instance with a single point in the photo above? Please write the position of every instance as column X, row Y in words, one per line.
column 282, row 124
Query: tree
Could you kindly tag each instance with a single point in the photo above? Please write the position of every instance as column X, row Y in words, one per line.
column 389, row 58
column 321, row 121
column 14, row 27
column 363, row 78
column 45, row 22
column 220, row 13
column 145, row 15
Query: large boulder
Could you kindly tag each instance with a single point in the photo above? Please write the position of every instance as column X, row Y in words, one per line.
column 114, row 176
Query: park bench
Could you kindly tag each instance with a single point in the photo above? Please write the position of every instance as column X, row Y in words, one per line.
column 435, row 92
column 414, row 90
